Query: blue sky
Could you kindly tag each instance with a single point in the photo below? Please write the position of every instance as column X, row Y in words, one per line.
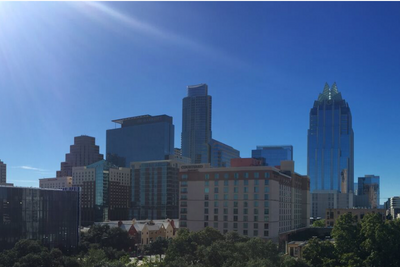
column 68, row 69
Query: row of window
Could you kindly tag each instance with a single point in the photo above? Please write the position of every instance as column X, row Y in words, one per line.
column 256, row 175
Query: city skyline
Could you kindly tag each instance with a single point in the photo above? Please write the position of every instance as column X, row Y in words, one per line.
column 264, row 70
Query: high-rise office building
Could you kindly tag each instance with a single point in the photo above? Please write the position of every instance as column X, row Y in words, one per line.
column 196, row 124
column 155, row 188
column 105, row 191
column 221, row 154
column 3, row 172
column 330, row 155
column 50, row 216
column 83, row 152
column 273, row 155
column 368, row 192
column 330, row 142
column 141, row 138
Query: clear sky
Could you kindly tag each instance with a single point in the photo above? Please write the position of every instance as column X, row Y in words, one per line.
column 68, row 69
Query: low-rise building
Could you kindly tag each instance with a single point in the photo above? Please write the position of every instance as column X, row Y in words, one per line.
column 51, row 216
column 258, row 201
column 329, row 199
column 333, row 214
column 144, row 232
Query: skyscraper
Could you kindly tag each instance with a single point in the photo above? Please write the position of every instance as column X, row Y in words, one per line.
column 221, row 154
column 3, row 173
column 83, row 152
column 196, row 124
column 140, row 138
column 273, row 155
column 368, row 191
column 330, row 142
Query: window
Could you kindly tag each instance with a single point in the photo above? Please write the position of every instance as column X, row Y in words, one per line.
column 215, row 217
column 205, row 204
column 265, row 196
column 255, row 203
column 236, row 204
column 235, row 190
column 226, row 176
column 226, row 189
column 235, row 211
column 245, row 218
column 215, row 189
column 245, row 232
column 255, row 189
column 245, row 189
column 184, row 190
column 206, row 190
column 255, row 211
column 256, row 175
column 266, row 189
column 206, row 197
column 255, row 196
column 205, row 224
column 265, row 225
column 255, row 226
column 183, row 183
column 235, row 225
column 245, row 182
column 225, row 211
column 265, row 233
column 216, row 196
column 235, row 196
column 235, row 218
column 216, row 176
column 255, row 233
column 245, row 196
column 266, row 175
column 256, row 182
column 245, row 211
column 266, row 204
column 206, row 183
column 225, row 196
column 215, row 183
column 184, row 176
column 235, row 183
column 236, row 175
column 225, row 203
column 205, row 211
column 226, row 183
column 206, row 217
column 207, row 176
column 215, row 211
column 216, row 204
column 255, row 218
column 225, row 217
column 245, row 204
column 246, row 175
column 266, row 211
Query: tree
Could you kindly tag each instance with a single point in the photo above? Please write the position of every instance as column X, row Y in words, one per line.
column 346, row 234
column 319, row 253
column 319, row 223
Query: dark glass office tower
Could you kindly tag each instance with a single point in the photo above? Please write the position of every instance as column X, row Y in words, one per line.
column 196, row 124
column 140, row 138
column 273, row 155
column 330, row 142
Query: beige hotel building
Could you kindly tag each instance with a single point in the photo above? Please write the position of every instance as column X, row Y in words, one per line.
column 254, row 201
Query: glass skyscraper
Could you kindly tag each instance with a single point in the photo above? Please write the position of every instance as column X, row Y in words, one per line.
column 196, row 124
column 140, row 138
column 368, row 191
column 273, row 155
column 221, row 154
column 330, row 142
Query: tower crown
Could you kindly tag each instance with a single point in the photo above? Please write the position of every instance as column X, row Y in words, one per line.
column 330, row 93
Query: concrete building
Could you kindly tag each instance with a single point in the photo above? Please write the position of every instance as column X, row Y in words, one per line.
column 140, row 138
column 333, row 214
column 106, row 191
column 221, row 154
column 246, row 162
column 273, row 155
column 48, row 215
column 252, row 200
column 393, row 207
column 3, row 172
column 56, row 183
column 329, row 199
column 155, row 188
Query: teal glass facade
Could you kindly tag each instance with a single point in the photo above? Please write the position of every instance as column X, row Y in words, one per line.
column 196, row 124
column 330, row 142
column 140, row 138
column 369, row 186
